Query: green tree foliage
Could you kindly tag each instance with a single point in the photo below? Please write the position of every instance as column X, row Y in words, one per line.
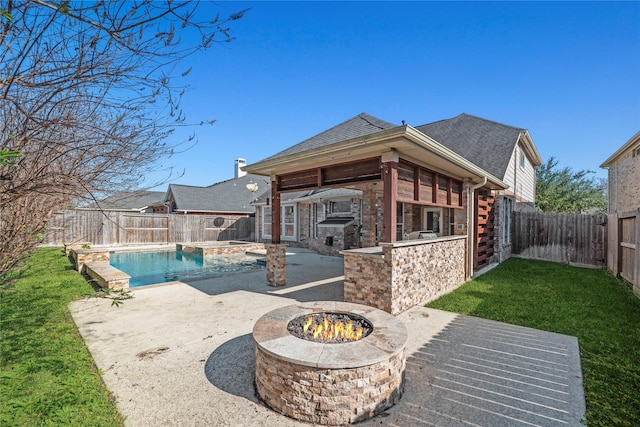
column 565, row 191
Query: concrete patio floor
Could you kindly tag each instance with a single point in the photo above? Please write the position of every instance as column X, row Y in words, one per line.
column 182, row 355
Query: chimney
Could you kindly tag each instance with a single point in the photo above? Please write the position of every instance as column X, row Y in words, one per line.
column 239, row 164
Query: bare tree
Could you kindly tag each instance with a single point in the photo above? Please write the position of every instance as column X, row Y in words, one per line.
column 87, row 101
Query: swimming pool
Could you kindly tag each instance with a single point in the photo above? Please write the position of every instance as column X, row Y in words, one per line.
column 146, row 268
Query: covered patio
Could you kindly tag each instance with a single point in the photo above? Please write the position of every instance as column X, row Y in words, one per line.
column 426, row 221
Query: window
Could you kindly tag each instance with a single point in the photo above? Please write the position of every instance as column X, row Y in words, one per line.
column 340, row 207
column 452, row 221
column 506, row 220
column 432, row 221
column 287, row 222
column 523, row 159
column 266, row 221
column 313, row 220
column 399, row 221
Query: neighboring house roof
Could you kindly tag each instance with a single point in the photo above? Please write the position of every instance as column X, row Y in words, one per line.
column 485, row 143
column 230, row 196
column 627, row 145
column 360, row 125
column 129, row 201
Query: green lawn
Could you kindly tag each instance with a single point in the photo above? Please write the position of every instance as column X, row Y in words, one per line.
column 47, row 376
column 592, row 305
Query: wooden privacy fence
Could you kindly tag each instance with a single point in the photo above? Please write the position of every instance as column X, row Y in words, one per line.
column 623, row 258
column 569, row 238
column 123, row 228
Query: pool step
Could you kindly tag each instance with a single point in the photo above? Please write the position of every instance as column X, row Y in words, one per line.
column 107, row 276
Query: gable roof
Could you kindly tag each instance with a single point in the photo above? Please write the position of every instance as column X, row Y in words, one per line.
column 230, row 196
column 487, row 144
column 129, row 201
column 360, row 125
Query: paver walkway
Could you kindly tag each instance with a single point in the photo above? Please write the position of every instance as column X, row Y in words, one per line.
column 479, row 372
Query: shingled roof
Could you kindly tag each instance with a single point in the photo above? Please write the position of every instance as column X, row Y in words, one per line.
column 129, row 201
column 360, row 125
column 231, row 196
column 485, row 143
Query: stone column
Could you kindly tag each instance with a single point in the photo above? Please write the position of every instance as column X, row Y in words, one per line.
column 276, row 264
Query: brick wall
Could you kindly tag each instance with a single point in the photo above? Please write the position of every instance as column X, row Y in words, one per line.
column 624, row 184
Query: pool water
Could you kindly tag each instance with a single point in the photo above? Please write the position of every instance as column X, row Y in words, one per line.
column 146, row 268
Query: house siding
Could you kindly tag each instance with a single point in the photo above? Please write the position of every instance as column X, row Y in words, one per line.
column 521, row 181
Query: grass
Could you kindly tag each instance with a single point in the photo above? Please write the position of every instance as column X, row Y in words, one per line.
column 592, row 305
column 47, row 376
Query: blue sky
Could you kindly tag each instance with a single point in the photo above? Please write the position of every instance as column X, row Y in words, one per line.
column 569, row 72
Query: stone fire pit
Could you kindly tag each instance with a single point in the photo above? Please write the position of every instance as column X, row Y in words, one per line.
column 329, row 383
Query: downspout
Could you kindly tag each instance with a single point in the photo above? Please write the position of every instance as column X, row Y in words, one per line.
column 471, row 225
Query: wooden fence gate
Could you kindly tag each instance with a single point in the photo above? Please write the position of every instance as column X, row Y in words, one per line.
column 570, row 238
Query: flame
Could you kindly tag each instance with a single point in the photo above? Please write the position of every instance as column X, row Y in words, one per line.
column 327, row 330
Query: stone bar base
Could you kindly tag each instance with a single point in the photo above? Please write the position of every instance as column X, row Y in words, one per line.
column 276, row 264
column 397, row 276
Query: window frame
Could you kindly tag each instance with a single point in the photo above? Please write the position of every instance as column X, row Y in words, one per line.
column 283, row 223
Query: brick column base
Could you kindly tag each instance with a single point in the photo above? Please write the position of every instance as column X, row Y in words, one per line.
column 276, row 264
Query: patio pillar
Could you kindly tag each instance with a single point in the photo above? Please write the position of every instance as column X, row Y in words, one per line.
column 390, row 195
column 276, row 264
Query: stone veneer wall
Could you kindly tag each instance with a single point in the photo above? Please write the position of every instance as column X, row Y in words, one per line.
column 367, row 274
column 82, row 256
column 329, row 396
column 276, row 264
column 401, row 275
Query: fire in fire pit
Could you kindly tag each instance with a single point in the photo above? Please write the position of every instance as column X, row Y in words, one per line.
column 330, row 328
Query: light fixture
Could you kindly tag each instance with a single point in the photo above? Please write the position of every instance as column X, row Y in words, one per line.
column 252, row 186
